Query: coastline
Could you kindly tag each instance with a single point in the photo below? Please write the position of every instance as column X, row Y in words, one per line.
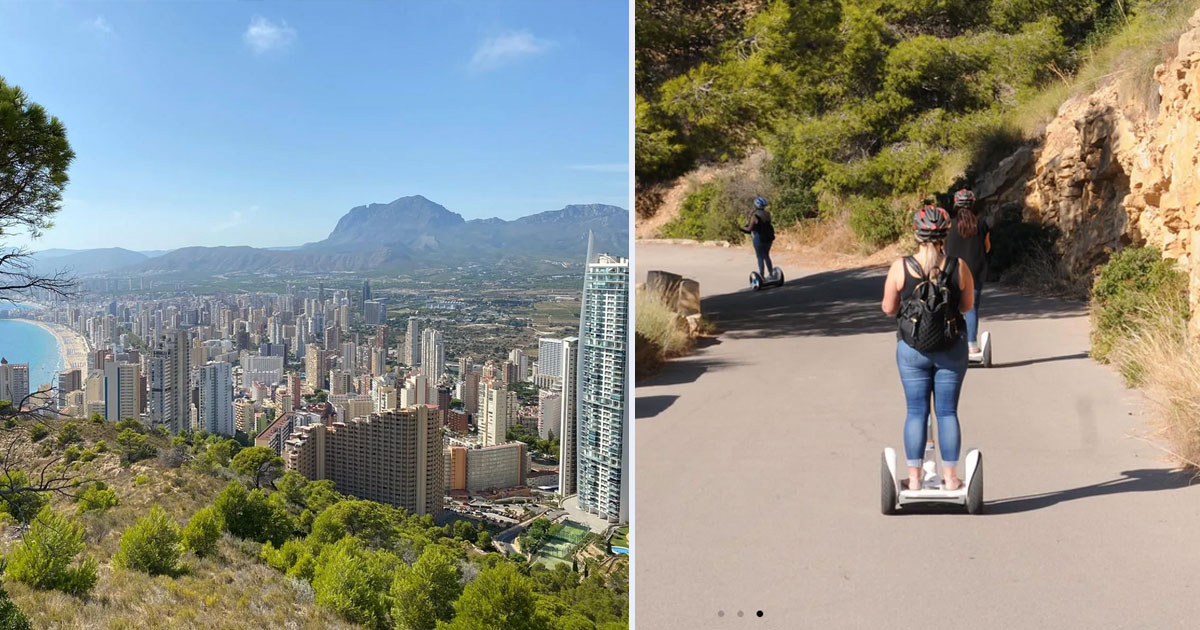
column 72, row 347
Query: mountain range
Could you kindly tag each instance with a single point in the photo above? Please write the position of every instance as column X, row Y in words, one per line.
column 406, row 233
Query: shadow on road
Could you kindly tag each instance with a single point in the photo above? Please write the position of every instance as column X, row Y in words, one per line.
column 1141, row 480
column 680, row 371
column 1065, row 357
column 847, row 302
column 650, row 406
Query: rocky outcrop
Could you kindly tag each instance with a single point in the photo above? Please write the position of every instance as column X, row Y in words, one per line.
column 1116, row 167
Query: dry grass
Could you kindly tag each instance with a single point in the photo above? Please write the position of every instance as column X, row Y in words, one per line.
column 661, row 325
column 232, row 590
column 1158, row 357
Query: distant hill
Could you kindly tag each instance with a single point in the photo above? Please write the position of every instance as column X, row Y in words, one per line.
column 84, row 261
column 414, row 231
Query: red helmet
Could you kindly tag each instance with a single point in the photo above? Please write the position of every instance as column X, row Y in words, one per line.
column 931, row 223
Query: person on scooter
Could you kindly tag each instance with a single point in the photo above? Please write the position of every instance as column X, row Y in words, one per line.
column 970, row 240
column 939, row 373
column 762, row 234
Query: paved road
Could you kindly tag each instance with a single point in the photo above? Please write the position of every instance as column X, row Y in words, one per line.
column 757, row 479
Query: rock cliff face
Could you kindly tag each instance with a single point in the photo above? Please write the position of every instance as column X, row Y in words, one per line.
column 1116, row 167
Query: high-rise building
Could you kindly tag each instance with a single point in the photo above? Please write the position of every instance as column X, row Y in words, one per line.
column 394, row 457
column 265, row 370
column 243, row 417
column 294, row 389
column 412, row 343
column 120, row 390
column 215, row 405
column 340, row 383
column 69, row 381
column 604, row 370
column 366, row 292
column 550, row 357
column 374, row 312
column 483, row 469
column 14, row 381
column 314, row 367
column 498, row 412
column 170, row 381
column 549, row 414
column 517, row 358
column 470, row 392
column 433, row 354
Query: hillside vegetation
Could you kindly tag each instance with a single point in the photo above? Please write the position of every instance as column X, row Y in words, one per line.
column 862, row 107
column 158, row 532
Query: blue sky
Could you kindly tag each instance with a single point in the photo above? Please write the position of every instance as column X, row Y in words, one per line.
column 261, row 123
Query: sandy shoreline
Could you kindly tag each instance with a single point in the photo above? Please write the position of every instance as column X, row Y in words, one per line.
column 71, row 345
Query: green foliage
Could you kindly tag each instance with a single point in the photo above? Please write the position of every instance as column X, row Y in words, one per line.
column 286, row 556
column 319, row 495
column 354, row 582
column 260, row 463
column 132, row 424
column 1133, row 279
column 20, row 500
column 483, row 540
column 706, row 214
column 152, row 545
column 34, row 170
column 248, row 514
column 69, row 433
column 97, row 498
column 874, row 222
column 535, row 536
column 71, row 454
column 221, row 452
column 202, row 532
column 43, row 558
column 97, row 418
column 424, row 593
column 11, row 617
column 375, row 524
column 291, row 486
column 134, row 446
column 101, row 446
column 141, row 480
column 499, row 597
column 38, row 431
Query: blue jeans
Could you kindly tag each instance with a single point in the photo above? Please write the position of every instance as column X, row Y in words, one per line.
column 941, row 374
column 763, row 252
column 972, row 317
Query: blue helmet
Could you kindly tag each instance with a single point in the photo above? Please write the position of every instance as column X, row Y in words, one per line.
column 760, row 202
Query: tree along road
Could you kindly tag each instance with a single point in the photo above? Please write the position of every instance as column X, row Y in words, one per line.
column 758, row 482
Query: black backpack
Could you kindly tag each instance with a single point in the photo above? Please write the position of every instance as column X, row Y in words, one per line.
column 766, row 231
column 929, row 319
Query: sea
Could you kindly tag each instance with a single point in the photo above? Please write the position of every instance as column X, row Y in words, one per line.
column 23, row 342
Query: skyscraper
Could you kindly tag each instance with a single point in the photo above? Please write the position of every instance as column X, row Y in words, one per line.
column 215, row 409
column 170, row 372
column 604, row 371
column 366, row 293
column 433, row 354
column 69, row 381
column 120, row 390
column 412, row 343
column 550, row 357
column 568, row 464
column 14, row 381
column 314, row 367
column 497, row 412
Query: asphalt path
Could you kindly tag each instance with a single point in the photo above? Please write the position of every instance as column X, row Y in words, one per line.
column 758, row 482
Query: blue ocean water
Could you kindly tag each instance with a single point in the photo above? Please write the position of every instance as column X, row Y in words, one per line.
column 23, row 342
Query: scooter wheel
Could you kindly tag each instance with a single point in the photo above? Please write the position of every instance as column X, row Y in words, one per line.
column 755, row 280
column 887, row 494
column 975, row 490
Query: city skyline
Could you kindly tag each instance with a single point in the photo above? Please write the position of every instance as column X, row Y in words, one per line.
column 219, row 113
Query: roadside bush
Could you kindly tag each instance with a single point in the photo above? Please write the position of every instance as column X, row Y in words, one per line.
column 1132, row 279
column 152, row 545
column 874, row 222
column 706, row 215
column 43, row 557
column 661, row 325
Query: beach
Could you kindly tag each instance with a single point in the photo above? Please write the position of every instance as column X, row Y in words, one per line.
column 71, row 345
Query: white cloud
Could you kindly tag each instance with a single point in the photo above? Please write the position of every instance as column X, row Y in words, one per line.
column 497, row 51
column 236, row 218
column 614, row 167
column 100, row 25
column 263, row 35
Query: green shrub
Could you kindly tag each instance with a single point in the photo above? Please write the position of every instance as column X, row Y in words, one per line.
column 132, row 424
column 141, row 480
column 11, row 617
column 22, row 506
column 87, row 455
column 152, row 545
column 43, row 557
column 874, row 222
column 202, row 532
column 69, row 433
column 1133, row 278
column 706, row 215
column 71, row 454
column 134, row 445
column 97, row 497
column 101, row 447
column 354, row 582
column 249, row 514
column 38, row 431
